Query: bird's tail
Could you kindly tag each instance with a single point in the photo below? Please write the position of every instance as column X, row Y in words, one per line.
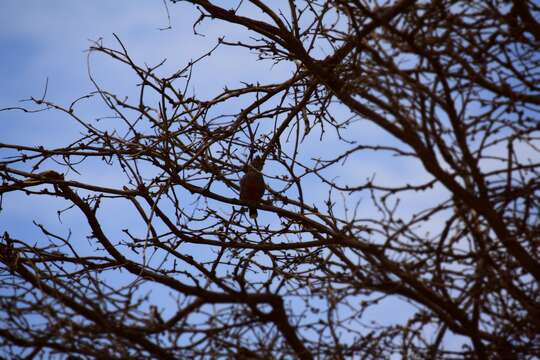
column 253, row 212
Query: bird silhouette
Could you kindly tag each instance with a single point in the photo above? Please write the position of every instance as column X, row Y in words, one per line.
column 252, row 185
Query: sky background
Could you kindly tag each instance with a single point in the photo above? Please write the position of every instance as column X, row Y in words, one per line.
column 42, row 42
column 48, row 40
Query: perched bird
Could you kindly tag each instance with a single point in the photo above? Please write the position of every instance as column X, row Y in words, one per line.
column 155, row 316
column 252, row 185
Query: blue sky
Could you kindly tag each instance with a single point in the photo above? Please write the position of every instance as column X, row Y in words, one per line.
column 40, row 42
column 48, row 40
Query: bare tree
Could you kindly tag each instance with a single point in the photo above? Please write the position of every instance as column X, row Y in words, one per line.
column 451, row 86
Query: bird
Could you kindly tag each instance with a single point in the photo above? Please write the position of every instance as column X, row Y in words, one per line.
column 155, row 316
column 252, row 185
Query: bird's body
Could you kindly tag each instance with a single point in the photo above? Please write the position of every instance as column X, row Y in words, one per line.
column 252, row 185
